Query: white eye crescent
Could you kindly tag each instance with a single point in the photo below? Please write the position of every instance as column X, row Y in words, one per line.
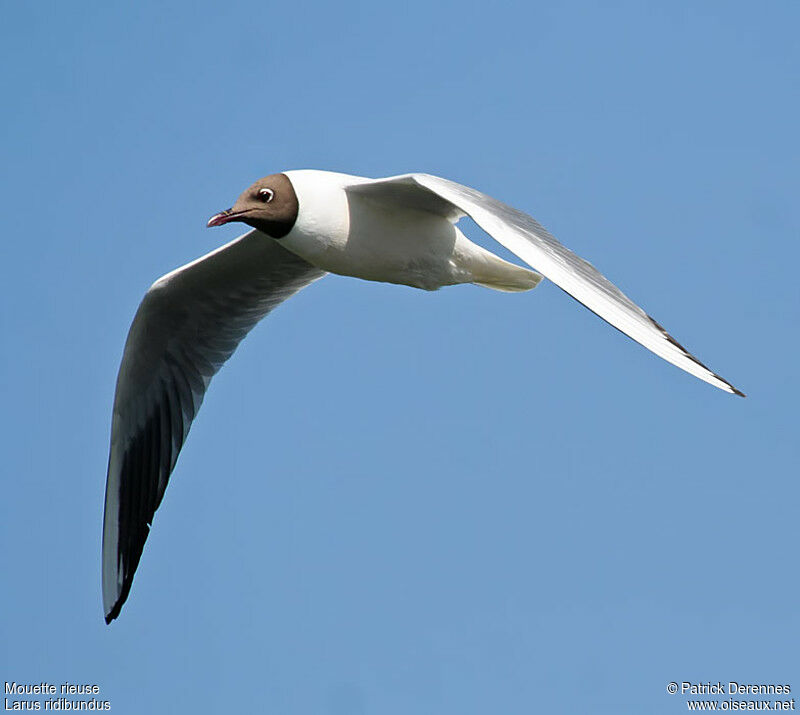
column 266, row 195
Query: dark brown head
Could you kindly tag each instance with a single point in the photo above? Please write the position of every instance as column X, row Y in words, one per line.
column 270, row 205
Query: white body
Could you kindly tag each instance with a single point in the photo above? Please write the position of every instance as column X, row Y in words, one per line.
column 361, row 237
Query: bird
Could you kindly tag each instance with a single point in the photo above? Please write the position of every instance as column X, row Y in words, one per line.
column 304, row 225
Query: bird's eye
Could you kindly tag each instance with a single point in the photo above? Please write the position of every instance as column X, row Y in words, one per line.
column 266, row 195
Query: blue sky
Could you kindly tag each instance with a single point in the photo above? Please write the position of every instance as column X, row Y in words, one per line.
column 395, row 501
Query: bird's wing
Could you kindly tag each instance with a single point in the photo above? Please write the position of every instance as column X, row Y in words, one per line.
column 188, row 324
column 525, row 237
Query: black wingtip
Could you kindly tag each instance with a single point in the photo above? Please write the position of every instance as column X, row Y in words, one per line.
column 123, row 596
column 115, row 611
column 733, row 389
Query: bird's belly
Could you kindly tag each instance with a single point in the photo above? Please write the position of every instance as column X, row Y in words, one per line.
column 409, row 247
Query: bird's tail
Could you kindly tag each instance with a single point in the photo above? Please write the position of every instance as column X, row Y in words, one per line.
column 492, row 272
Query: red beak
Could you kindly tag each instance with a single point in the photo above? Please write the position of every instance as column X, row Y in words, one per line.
column 224, row 217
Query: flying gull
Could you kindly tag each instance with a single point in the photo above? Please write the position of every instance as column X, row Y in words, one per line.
column 305, row 224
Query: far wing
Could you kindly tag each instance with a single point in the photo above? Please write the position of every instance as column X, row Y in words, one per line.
column 188, row 324
column 525, row 237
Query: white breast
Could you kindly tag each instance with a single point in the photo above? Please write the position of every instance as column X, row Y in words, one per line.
column 323, row 219
column 357, row 236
